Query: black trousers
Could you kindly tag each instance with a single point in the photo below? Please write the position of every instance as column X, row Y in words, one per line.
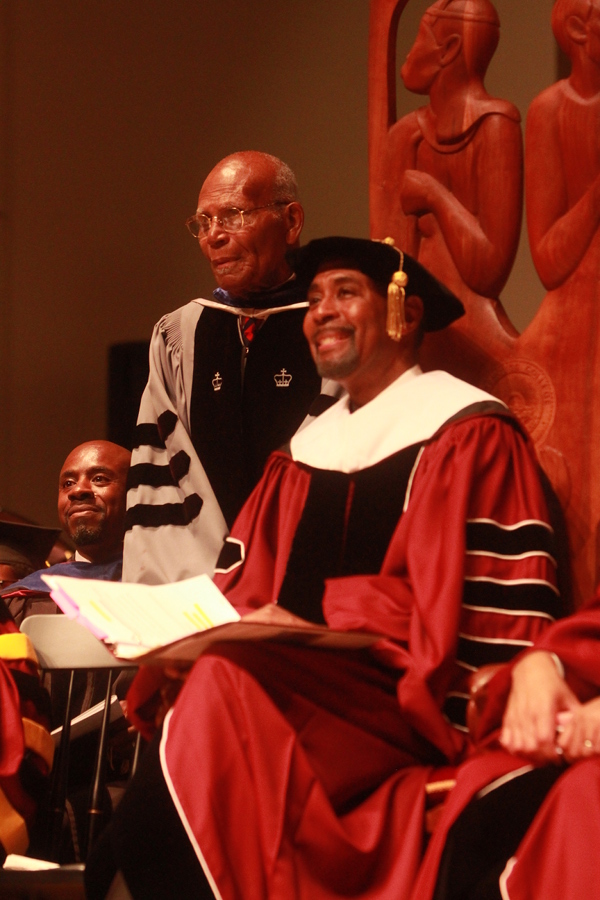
column 145, row 828
column 486, row 835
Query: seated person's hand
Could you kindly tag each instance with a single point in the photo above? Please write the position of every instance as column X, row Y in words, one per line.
column 579, row 731
column 152, row 694
column 538, row 694
column 175, row 677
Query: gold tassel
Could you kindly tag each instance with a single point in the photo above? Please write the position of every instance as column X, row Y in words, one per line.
column 396, row 321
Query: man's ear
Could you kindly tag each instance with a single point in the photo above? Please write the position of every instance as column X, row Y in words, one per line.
column 294, row 221
column 413, row 313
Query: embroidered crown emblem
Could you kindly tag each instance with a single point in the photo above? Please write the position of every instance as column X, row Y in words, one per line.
column 283, row 378
column 217, row 382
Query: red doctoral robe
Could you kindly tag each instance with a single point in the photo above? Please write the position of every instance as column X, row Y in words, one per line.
column 557, row 858
column 301, row 772
column 26, row 746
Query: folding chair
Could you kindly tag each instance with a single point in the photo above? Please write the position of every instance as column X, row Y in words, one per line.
column 63, row 644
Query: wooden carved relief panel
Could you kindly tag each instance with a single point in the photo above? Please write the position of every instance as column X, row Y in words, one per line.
column 447, row 183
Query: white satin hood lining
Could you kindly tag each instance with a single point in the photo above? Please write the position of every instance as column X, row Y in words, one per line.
column 408, row 411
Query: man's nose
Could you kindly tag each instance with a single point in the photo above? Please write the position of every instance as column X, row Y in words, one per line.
column 216, row 233
column 325, row 309
column 81, row 490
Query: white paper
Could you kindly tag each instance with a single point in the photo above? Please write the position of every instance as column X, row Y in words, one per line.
column 27, row 863
column 139, row 616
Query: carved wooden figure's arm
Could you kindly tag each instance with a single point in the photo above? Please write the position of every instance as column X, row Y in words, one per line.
column 560, row 230
column 483, row 242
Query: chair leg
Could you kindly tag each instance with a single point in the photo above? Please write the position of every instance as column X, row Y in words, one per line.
column 60, row 777
column 95, row 805
column 118, row 889
column 136, row 754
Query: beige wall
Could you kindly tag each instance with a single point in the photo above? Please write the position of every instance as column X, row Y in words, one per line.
column 111, row 113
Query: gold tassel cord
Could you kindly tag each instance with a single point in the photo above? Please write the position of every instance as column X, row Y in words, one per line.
column 396, row 321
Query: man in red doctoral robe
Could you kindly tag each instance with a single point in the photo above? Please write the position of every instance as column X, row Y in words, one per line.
column 411, row 509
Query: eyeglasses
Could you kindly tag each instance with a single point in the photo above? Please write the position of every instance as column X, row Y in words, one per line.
column 231, row 219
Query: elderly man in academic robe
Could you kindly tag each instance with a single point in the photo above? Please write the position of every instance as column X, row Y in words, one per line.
column 231, row 377
column 411, row 509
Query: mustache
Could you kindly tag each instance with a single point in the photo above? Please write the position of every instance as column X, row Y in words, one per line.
column 331, row 329
column 79, row 505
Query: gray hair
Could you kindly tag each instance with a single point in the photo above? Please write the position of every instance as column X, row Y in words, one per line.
column 285, row 186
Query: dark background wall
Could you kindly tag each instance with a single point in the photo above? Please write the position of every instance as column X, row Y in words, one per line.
column 111, row 114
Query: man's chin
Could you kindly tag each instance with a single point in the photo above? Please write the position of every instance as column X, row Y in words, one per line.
column 234, row 281
column 338, row 368
column 86, row 535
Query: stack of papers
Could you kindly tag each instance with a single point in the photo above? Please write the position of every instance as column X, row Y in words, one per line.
column 159, row 624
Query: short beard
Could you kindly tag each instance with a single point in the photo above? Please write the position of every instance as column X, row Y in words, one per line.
column 85, row 535
column 338, row 368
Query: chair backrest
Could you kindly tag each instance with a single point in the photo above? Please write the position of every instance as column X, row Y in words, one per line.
column 62, row 643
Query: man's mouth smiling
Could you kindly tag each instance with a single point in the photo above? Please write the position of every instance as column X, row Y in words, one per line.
column 331, row 338
column 83, row 511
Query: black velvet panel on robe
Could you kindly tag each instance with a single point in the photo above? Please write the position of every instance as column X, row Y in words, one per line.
column 346, row 528
column 236, row 427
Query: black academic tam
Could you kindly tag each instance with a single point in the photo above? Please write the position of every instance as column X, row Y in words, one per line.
column 379, row 260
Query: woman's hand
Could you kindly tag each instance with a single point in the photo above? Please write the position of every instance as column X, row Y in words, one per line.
column 538, row 695
column 579, row 731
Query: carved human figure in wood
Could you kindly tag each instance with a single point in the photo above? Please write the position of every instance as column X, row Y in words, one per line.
column 563, row 160
column 446, row 180
column 563, row 211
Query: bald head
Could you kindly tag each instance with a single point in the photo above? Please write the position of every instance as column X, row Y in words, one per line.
column 266, row 170
column 91, row 498
column 253, row 258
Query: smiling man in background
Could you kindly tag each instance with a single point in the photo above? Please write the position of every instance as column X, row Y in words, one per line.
column 91, row 511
